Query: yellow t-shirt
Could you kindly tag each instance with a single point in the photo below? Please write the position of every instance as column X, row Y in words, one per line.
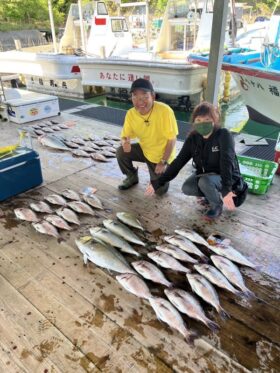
column 152, row 137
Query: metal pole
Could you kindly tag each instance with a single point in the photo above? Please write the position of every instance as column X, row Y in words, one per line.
column 147, row 27
column 52, row 26
column 216, row 50
column 82, row 26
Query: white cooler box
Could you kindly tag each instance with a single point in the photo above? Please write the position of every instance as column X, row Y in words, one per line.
column 25, row 106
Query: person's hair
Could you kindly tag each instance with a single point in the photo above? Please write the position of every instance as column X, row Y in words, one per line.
column 206, row 108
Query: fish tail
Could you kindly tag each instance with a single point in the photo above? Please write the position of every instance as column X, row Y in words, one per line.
column 212, row 325
column 224, row 315
column 190, row 337
column 248, row 293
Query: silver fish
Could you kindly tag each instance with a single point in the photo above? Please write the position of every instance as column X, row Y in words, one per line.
column 176, row 252
column 52, row 141
column 93, row 145
column 232, row 254
column 184, row 244
column 167, row 261
column 107, row 154
column 101, row 143
column 71, row 194
column 56, row 128
column 40, row 132
column 192, row 236
column 81, row 207
column 110, row 149
column 58, row 222
column 111, row 137
column 41, row 207
column 112, row 239
column 68, row 215
column 231, row 272
column 80, row 153
column 78, row 140
column 168, row 314
column 123, row 231
column 56, row 199
column 45, row 227
column 150, row 272
column 47, row 130
column 93, row 201
column 99, row 157
column 215, row 276
column 186, row 303
column 103, row 256
column 26, row 214
column 129, row 219
column 63, row 126
column 206, row 291
column 135, row 285
column 71, row 144
column 87, row 148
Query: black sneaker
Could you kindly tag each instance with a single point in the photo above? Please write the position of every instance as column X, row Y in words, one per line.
column 214, row 213
column 129, row 181
column 162, row 190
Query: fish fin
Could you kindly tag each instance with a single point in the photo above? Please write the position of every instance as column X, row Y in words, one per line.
column 212, row 325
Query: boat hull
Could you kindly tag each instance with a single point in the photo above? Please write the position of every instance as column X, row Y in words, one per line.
column 168, row 78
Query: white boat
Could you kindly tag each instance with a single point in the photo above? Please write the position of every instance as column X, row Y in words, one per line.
column 257, row 75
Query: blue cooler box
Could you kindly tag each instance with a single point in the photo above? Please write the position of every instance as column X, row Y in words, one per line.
column 19, row 172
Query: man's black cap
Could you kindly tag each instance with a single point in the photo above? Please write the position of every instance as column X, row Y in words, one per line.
column 143, row 84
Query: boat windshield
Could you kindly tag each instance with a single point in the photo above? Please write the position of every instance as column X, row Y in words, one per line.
column 118, row 25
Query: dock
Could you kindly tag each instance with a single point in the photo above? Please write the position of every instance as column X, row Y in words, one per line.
column 59, row 315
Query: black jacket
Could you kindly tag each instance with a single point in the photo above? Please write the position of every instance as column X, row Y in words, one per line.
column 213, row 155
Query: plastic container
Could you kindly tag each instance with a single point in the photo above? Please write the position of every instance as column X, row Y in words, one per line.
column 257, row 173
column 277, row 154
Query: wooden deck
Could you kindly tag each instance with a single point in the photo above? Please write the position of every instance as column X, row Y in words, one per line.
column 57, row 315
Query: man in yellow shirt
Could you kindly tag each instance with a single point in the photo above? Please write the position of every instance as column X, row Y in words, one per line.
column 154, row 125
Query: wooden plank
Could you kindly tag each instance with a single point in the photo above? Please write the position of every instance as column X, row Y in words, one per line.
column 34, row 349
column 65, row 316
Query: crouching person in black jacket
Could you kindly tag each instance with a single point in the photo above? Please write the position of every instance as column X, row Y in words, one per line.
column 217, row 176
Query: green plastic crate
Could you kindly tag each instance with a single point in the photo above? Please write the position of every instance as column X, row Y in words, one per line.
column 257, row 173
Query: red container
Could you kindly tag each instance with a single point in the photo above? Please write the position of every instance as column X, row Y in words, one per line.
column 277, row 154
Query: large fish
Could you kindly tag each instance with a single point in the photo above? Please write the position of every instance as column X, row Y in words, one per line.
column 71, row 194
column 123, row 231
column 93, row 201
column 26, row 214
column 186, row 303
column 232, row 254
column 45, row 227
column 184, row 244
column 150, row 272
column 41, row 207
column 167, row 261
column 68, row 215
column 129, row 219
column 176, row 252
column 192, row 236
column 135, row 285
column 56, row 199
column 206, row 291
column 168, row 314
column 53, row 142
column 104, row 235
column 216, row 277
column 103, row 256
column 231, row 272
column 58, row 222
column 81, row 207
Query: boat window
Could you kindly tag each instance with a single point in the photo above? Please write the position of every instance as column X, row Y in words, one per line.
column 209, row 6
column 182, row 36
column 118, row 25
column 101, row 9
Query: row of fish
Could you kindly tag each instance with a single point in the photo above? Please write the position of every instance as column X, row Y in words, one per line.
column 91, row 146
column 45, row 127
column 224, row 273
column 69, row 203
